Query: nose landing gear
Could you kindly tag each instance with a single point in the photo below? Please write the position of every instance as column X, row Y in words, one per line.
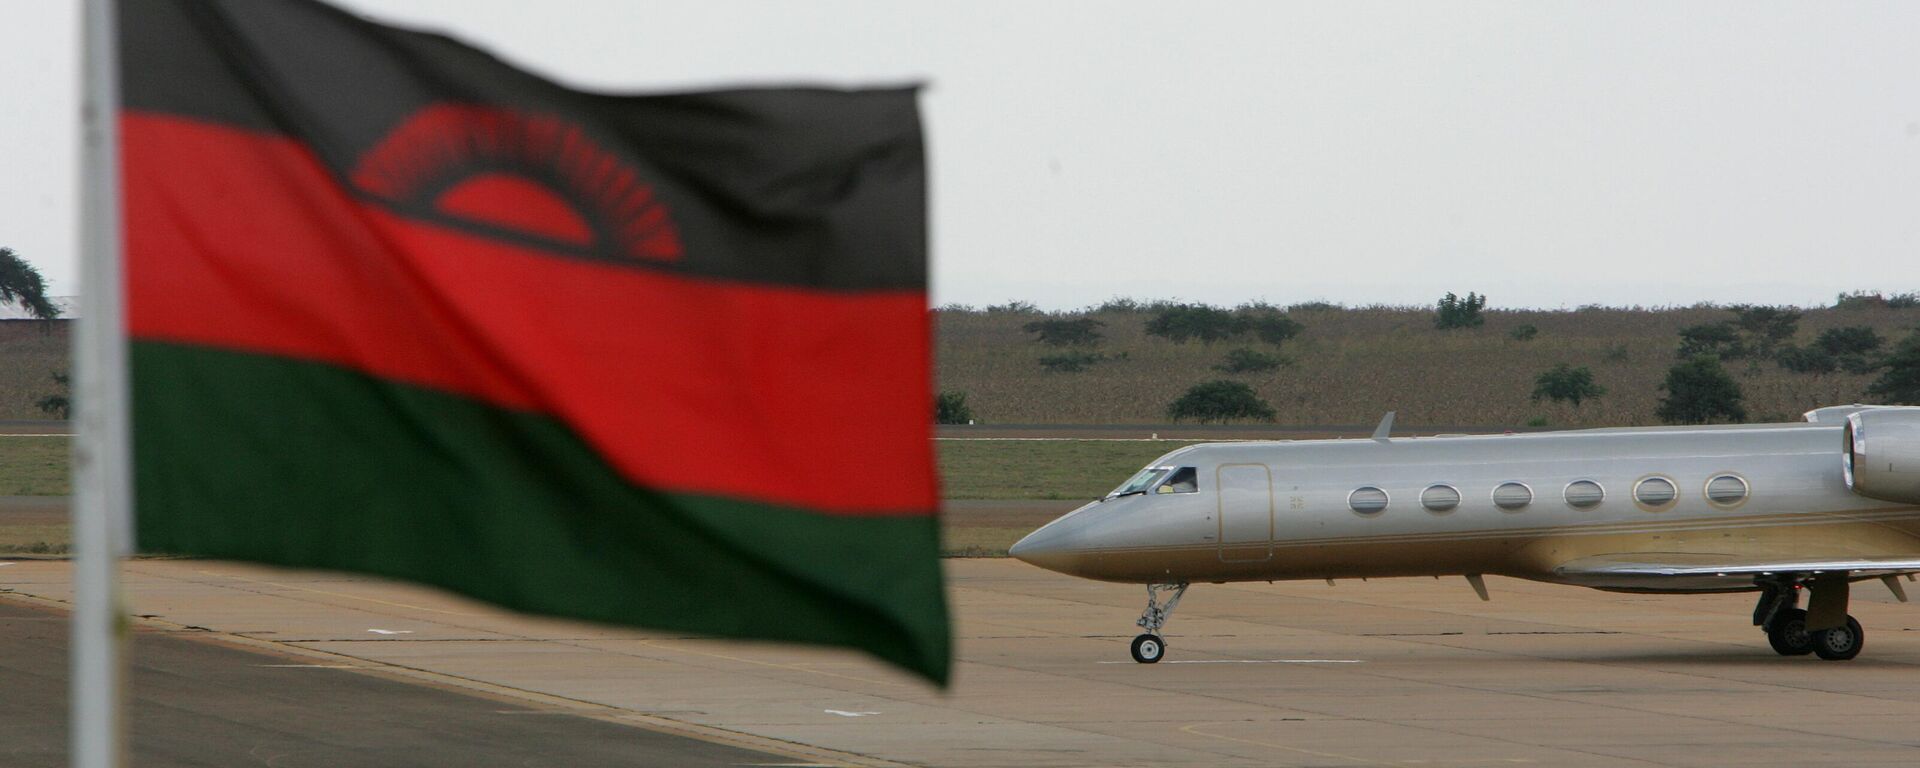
column 1149, row 648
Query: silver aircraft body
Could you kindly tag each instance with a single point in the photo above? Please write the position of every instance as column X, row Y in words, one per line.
column 1773, row 508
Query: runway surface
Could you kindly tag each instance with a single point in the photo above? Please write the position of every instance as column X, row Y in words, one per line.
column 199, row 703
column 1410, row 672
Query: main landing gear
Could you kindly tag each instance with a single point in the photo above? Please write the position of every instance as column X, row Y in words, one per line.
column 1839, row 643
column 1149, row 648
column 1787, row 625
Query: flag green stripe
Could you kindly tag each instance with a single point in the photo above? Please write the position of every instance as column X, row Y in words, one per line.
column 255, row 457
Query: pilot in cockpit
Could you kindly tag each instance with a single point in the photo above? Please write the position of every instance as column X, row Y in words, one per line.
column 1183, row 480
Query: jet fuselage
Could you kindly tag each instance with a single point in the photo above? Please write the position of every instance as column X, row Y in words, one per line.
column 1518, row 505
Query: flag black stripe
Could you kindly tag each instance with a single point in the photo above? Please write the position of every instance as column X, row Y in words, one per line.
column 810, row 188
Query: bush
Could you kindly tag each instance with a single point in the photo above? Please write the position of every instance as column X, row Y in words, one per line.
column 1456, row 312
column 1903, row 301
column 1900, row 385
column 952, row 408
column 1565, row 383
column 1014, row 308
column 1537, row 421
column 1181, row 322
column 1071, row 362
column 1766, row 327
column 1523, row 333
column 1806, row 360
column 1616, row 354
column 1855, row 347
column 1275, row 328
column 57, row 404
column 1063, row 333
column 1220, row 401
column 1699, row 391
column 1720, row 340
column 1315, row 306
column 1850, row 340
column 1251, row 361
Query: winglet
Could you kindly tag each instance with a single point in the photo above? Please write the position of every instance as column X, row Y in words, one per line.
column 1386, row 426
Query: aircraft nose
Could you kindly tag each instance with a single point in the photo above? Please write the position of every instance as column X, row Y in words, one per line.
column 1031, row 545
column 1050, row 547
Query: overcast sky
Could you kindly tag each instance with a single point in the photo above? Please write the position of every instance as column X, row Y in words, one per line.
column 1547, row 154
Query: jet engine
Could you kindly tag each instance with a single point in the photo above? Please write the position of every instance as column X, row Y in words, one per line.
column 1883, row 454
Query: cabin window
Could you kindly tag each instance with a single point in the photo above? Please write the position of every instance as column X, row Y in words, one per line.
column 1440, row 497
column 1655, row 492
column 1512, row 496
column 1727, row 490
column 1585, row 494
column 1183, row 480
column 1367, row 500
column 1139, row 483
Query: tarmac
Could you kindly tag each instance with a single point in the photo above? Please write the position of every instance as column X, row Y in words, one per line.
column 200, row 703
column 1405, row 672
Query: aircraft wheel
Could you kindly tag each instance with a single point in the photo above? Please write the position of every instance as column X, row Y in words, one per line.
column 1839, row 643
column 1788, row 633
column 1148, row 649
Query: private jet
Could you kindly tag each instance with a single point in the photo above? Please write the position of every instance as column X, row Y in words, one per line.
column 1777, row 509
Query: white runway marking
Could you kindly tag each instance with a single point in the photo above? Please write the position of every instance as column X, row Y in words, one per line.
column 307, row 666
column 844, row 713
column 1250, row 661
column 391, row 631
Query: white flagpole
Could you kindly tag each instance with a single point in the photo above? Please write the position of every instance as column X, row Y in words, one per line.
column 102, row 486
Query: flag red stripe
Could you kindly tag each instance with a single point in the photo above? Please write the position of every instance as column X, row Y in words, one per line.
column 241, row 240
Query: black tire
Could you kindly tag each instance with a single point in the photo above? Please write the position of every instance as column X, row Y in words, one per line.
column 1787, row 633
column 1840, row 643
column 1148, row 649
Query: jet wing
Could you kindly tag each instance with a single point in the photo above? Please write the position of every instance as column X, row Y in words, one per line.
column 1685, row 572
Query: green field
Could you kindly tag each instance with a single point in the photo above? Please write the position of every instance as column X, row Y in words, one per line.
column 34, row 466
column 35, row 539
column 1042, row 469
column 969, row 469
column 33, row 484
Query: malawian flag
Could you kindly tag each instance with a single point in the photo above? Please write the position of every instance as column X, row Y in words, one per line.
column 399, row 308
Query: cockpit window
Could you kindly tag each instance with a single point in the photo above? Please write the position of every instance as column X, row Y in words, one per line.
column 1183, row 480
column 1141, row 482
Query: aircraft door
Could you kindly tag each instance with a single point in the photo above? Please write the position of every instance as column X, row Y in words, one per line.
column 1246, row 512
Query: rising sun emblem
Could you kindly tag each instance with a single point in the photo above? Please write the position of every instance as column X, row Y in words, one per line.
column 535, row 175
